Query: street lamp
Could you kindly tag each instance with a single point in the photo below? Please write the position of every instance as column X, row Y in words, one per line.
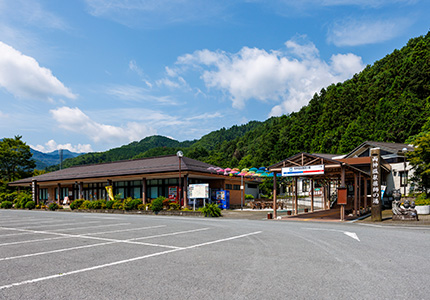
column 179, row 154
column 404, row 150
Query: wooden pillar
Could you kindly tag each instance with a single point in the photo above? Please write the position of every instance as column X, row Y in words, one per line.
column 296, row 197
column 355, row 193
column 325, row 196
column 274, row 196
column 81, row 190
column 185, row 191
column 58, row 193
column 144, row 190
column 365, row 194
column 342, row 185
column 359, row 194
column 312, row 195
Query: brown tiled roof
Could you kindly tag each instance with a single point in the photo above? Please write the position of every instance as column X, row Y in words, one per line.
column 142, row 166
column 390, row 147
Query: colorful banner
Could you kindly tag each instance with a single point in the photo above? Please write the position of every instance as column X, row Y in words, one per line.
column 109, row 190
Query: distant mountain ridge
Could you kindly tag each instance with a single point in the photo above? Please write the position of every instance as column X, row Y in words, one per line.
column 157, row 145
column 44, row 160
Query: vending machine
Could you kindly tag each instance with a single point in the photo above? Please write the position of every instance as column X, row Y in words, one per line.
column 223, row 199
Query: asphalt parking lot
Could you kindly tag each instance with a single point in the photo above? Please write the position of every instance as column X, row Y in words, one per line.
column 65, row 255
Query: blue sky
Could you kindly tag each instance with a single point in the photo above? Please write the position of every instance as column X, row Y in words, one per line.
column 90, row 75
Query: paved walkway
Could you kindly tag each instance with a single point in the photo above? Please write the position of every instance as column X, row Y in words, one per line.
column 332, row 215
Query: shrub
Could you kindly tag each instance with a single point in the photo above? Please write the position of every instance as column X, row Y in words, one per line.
column 21, row 199
column 30, row 205
column 157, row 204
column 99, row 204
column 211, row 210
column 96, row 204
column 141, row 206
column 8, row 196
column 109, row 204
column 132, row 204
column 174, row 206
column 6, row 204
column 86, row 205
column 166, row 202
column 422, row 200
column 249, row 197
column 117, row 205
column 53, row 206
column 76, row 204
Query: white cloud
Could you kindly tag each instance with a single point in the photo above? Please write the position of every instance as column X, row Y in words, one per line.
column 51, row 145
column 156, row 13
column 173, row 80
column 22, row 76
column 74, row 120
column 135, row 68
column 290, row 77
column 353, row 32
column 3, row 115
column 206, row 116
column 31, row 13
column 135, row 93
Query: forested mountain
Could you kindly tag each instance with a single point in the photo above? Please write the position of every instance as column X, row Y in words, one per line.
column 124, row 152
column 159, row 145
column 388, row 101
column 44, row 160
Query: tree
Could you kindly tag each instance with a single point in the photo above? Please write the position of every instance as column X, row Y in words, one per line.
column 420, row 161
column 15, row 159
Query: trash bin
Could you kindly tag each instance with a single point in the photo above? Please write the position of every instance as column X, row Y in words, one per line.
column 269, row 216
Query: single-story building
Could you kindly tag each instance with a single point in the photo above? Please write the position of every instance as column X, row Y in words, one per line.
column 145, row 179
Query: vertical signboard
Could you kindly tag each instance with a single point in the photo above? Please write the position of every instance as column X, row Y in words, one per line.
column 375, row 179
column 34, row 191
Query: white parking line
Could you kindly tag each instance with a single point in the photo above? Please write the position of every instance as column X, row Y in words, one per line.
column 86, row 227
column 123, row 230
column 124, row 261
column 62, row 229
column 81, row 247
column 33, row 241
column 28, row 231
column 62, row 224
column 27, row 221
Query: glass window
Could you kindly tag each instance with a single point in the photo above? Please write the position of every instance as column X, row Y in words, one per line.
column 121, row 192
column 43, row 194
column 228, row 186
column 173, row 181
column 305, row 185
column 153, row 192
column 403, row 178
column 136, row 192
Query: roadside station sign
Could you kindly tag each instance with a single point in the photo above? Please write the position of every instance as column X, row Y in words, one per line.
column 302, row 171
